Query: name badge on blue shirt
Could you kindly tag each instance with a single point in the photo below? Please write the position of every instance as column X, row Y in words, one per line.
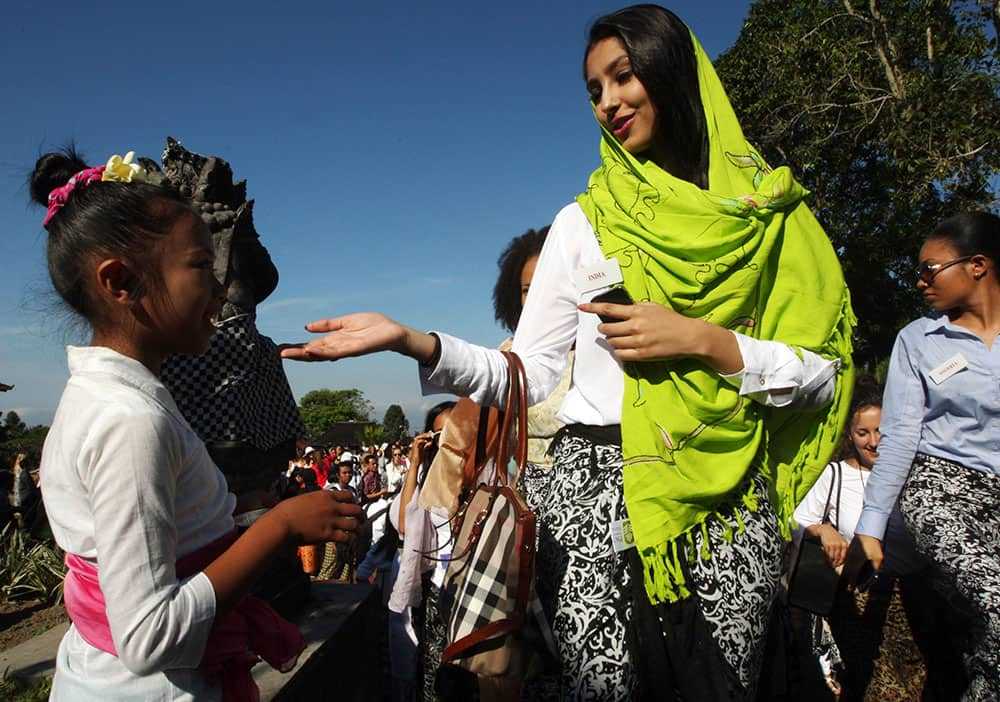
column 949, row 368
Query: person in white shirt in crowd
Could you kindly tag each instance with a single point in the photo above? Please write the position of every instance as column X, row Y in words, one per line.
column 869, row 626
column 396, row 469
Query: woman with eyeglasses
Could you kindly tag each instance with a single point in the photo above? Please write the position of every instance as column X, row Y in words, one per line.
column 941, row 432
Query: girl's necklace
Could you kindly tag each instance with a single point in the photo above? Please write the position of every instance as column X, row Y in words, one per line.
column 861, row 475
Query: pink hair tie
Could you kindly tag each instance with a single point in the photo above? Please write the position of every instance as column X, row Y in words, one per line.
column 59, row 196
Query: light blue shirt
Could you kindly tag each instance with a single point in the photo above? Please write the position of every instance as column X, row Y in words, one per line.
column 956, row 418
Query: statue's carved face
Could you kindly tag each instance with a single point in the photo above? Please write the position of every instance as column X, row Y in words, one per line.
column 251, row 268
column 242, row 263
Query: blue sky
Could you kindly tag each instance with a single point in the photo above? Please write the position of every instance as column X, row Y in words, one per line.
column 393, row 149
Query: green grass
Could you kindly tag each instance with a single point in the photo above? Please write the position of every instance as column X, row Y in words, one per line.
column 15, row 690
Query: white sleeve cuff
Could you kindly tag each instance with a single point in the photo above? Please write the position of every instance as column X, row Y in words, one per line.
column 466, row 370
column 202, row 617
column 774, row 375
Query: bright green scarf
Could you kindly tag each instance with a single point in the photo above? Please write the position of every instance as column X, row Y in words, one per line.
column 748, row 255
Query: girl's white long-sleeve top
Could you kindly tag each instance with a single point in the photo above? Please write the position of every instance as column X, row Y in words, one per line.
column 127, row 484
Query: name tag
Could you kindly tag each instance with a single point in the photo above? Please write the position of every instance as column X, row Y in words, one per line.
column 949, row 368
column 622, row 538
column 598, row 276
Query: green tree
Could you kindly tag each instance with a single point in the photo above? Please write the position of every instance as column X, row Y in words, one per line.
column 888, row 111
column 320, row 409
column 16, row 437
column 395, row 423
column 13, row 426
column 374, row 434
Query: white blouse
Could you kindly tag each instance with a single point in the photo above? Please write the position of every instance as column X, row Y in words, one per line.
column 128, row 484
column 551, row 323
column 844, row 512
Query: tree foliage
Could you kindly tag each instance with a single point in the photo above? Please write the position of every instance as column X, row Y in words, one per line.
column 888, row 111
column 16, row 437
column 373, row 435
column 13, row 426
column 395, row 423
column 320, row 409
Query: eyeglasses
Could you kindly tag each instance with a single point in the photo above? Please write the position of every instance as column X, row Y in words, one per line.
column 927, row 272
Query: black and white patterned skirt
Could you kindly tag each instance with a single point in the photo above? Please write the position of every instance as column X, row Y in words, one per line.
column 582, row 582
column 953, row 513
column 710, row 646
column 589, row 591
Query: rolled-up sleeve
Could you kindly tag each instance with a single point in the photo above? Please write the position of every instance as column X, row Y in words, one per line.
column 157, row 621
column 776, row 375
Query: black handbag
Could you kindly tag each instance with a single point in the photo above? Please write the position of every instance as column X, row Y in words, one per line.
column 813, row 582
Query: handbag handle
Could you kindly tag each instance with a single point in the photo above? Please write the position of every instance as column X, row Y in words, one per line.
column 516, row 412
column 838, row 480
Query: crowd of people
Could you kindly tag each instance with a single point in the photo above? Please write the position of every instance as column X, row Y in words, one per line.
column 689, row 317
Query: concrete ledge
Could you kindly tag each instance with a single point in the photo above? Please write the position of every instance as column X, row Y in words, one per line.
column 34, row 658
column 343, row 626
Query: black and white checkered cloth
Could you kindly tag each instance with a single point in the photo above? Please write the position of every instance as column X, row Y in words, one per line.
column 237, row 390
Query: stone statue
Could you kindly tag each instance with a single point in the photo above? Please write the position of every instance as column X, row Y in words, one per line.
column 236, row 396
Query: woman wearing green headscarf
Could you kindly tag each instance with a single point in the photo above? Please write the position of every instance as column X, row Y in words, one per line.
column 699, row 416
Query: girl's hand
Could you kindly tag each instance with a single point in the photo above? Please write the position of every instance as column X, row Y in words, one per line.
column 420, row 444
column 324, row 515
column 648, row 331
column 834, row 545
column 358, row 335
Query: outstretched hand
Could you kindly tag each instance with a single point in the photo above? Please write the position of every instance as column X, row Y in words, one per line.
column 351, row 335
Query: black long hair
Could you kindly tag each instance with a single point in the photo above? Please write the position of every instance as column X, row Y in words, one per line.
column 105, row 219
column 972, row 233
column 662, row 57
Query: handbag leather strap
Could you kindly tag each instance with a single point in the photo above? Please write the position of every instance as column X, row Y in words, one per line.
column 838, row 480
column 516, row 413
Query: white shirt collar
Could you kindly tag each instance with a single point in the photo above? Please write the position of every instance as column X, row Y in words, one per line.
column 100, row 360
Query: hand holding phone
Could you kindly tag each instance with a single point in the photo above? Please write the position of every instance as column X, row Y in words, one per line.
column 617, row 296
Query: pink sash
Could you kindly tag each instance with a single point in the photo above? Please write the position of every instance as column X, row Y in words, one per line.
column 250, row 632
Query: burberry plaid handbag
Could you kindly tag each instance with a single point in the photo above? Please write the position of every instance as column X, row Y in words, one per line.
column 494, row 622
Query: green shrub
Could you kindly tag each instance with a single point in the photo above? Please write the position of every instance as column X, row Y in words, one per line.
column 15, row 690
column 30, row 569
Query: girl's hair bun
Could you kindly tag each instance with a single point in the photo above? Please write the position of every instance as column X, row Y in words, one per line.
column 53, row 170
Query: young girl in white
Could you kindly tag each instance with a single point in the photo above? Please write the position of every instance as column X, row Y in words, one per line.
column 157, row 583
